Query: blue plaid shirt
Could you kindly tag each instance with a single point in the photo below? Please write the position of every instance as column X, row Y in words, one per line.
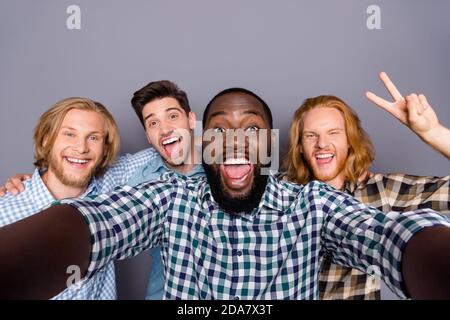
column 36, row 196
column 273, row 252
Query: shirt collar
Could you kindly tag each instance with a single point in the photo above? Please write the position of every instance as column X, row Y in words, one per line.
column 93, row 188
column 351, row 187
column 158, row 166
column 277, row 195
column 39, row 191
column 41, row 194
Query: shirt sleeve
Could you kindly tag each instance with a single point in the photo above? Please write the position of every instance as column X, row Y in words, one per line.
column 367, row 239
column 123, row 168
column 407, row 192
column 125, row 222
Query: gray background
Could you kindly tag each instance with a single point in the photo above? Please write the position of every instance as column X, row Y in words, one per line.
column 285, row 51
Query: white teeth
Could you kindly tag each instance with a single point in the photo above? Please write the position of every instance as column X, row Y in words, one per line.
column 325, row 155
column 170, row 140
column 236, row 161
column 77, row 160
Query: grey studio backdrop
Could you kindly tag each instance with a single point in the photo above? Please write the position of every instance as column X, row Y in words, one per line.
column 285, row 51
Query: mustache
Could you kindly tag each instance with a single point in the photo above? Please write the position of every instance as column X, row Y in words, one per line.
column 243, row 203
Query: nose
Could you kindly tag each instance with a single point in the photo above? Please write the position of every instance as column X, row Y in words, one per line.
column 322, row 141
column 237, row 141
column 81, row 145
column 166, row 128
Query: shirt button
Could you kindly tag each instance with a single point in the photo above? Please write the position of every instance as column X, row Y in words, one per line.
column 239, row 253
column 236, row 298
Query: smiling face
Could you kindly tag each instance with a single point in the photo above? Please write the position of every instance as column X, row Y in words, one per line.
column 78, row 148
column 236, row 181
column 169, row 130
column 324, row 144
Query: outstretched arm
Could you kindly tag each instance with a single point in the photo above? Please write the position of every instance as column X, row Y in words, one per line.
column 35, row 253
column 395, row 246
column 415, row 112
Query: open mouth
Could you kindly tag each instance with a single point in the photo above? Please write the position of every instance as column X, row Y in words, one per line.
column 172, row 146
column 76, row 162
column 237, row 172
column 324, row 158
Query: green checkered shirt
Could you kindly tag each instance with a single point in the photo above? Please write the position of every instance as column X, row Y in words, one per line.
column 273, row 252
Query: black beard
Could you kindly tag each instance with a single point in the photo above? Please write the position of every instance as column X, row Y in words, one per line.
column 230, row 204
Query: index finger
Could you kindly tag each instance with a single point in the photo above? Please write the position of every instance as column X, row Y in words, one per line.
column 393, row 91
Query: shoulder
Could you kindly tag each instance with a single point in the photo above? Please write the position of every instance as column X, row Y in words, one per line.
column 148, row 153
column 170, row 180
column 314, row 186
column 17, row 207
column 25, row 195
column 401, row 178
column 143, row 156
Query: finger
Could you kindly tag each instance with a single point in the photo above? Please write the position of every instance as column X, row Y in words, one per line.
column 424, row 102
column 417, row 104
column 412, row 106
column 386, row 105
column 2, row 191
column 10, row 186
column 393, row 91
column 420, row 107
column 378, row 100
column 18, row 184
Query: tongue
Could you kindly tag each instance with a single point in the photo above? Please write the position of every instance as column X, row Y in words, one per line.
column 173, row 149
column 324, row 160
column 236, row 171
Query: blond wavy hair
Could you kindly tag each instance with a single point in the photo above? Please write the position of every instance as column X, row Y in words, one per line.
column 361, row 153
column 49, row 123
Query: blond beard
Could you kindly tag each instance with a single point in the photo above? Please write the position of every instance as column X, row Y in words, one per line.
column 76, row 182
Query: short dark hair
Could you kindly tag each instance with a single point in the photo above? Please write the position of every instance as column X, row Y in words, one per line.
column 239, row 90
column 158, row 90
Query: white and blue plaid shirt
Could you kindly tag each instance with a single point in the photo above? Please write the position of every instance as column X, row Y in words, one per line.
column 273, row 252
column 36, row 196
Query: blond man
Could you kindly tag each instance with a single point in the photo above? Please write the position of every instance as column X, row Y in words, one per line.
column 76, row 144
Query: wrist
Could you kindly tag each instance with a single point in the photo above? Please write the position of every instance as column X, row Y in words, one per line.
column 433, row 135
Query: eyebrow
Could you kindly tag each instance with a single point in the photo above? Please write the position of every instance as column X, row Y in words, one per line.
column 167, row 110
column 333, row 129
column 223, row 113
column 74, row 129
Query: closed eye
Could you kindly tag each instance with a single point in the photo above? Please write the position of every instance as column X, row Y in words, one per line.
column 69, row 134
column 309, row 135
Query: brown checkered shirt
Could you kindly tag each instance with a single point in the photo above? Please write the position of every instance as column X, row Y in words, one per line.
column 386, row 192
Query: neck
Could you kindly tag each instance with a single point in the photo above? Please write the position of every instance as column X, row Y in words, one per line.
column 190, row 162
column 60, row 190
column 337, row 182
